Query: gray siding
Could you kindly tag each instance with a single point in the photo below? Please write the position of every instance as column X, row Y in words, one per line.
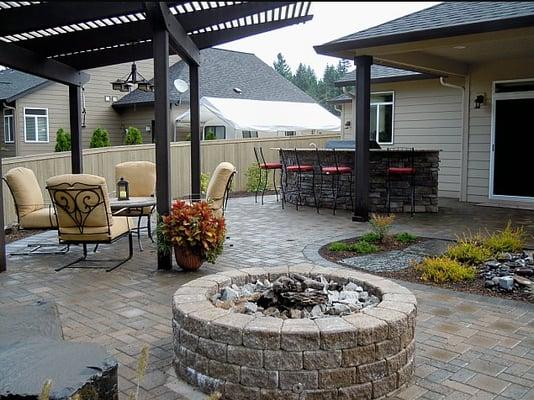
column 426, row 115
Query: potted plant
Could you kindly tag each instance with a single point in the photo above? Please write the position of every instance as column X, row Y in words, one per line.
column 194, row 232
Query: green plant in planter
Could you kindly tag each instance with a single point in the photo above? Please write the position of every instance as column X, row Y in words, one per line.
column 371, row 237
column 63, row 140
column 363, row 247
column 100, row 138
column 508, row 240
column 204, row 182
column 339, row 246
column 133, row 136
column 468, row 252
column 381, row 224
column 444, row 269
column 193, row 226
column 253, row 178
column 405, row 237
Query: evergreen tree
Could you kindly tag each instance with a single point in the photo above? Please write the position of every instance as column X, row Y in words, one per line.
column 306, row 80
column 281, row 66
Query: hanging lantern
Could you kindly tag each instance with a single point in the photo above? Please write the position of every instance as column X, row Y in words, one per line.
column 123, row 192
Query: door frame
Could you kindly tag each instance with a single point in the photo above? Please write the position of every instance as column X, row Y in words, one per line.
column 494, row 98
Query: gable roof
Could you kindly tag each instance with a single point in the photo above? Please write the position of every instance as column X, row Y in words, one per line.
column 442, row 20
column 15, row 84
column 383, row 74
column 220, row 72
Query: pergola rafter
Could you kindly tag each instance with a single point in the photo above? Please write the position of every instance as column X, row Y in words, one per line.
column 57, row 40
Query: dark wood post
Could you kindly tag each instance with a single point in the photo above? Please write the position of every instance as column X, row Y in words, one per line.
column 3, row 261
column 194, row 102
column 361, row 156
column 160, row 42
column 75, row 111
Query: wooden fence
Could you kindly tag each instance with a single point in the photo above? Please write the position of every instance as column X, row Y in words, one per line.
column 102, row 162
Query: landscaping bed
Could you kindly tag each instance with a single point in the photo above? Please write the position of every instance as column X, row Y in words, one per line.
column 488, row 264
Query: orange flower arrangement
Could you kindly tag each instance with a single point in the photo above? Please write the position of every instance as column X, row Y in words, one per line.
column 193, row 226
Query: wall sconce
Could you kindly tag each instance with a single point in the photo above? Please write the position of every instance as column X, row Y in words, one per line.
column 123, row 193
column 479, row 100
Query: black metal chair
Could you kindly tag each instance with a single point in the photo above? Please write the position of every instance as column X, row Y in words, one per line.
column 265, row 167
column 81, row 202
column 299, row 170
column 400, row 164
column 336, row 172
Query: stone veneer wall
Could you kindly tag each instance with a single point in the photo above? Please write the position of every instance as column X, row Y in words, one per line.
column 363, row 355
column 426, row 163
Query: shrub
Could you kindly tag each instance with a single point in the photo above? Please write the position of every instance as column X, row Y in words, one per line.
column 339, row 246
column 444, row 269
column 63, row 141
column 253, row 178
column 210, row 135
column 371, row 237
column 100, row 138
column 133, row 136
column 364, row 247
column 508, row 240
column 468, row 252
column 381, row 224
column 405, row 237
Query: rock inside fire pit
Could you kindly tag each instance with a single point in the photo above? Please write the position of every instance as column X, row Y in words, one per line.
column 295, row 296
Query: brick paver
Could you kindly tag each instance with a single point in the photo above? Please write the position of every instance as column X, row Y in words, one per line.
column 468, row 347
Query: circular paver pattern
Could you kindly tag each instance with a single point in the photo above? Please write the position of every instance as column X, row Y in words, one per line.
column 362, row 355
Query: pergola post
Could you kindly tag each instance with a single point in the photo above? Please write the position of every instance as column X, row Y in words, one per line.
column 75, row 111
column 194, row 102
column 160, row 42
column 361, row 156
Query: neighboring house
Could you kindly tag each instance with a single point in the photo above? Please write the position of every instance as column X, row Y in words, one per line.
column 223, row 74
column 34, row 109
column 459, row 77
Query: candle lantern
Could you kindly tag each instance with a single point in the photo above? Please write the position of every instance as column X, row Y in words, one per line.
column 122, row 189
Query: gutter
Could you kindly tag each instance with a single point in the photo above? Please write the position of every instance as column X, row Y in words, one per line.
column 465, row 131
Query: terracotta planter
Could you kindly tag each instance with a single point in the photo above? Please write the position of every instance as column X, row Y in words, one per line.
column 186, row 259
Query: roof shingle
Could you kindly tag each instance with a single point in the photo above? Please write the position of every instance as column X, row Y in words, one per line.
column 14, row 84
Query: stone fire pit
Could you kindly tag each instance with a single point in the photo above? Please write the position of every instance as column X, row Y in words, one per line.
column 366, row 354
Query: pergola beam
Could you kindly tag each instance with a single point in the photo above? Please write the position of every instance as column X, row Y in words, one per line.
column 160, row 15
column 215, row 38
column 32, row 63
column 61, row 13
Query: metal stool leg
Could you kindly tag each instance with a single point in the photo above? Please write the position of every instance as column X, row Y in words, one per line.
column 274, row 184
column 314, row 192
column 264, row 184
column 139, row 234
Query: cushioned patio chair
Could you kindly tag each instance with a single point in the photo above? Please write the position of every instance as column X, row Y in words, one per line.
column 141, row 177
column 219, row 187
column 81, row 202
column 32, row 212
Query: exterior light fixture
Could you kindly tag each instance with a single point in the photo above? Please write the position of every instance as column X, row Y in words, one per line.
column 133, row 78
column 479, row 100
column 237, row 90
column 123, row 192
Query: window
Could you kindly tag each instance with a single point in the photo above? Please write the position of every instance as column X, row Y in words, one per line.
column 250, row 134
column 9, row 126
column 214, row 132
column 382, row 118
column 290, row 133
column 36, row 125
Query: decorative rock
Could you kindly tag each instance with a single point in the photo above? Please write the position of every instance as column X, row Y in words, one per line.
column 351, row 286
column 250, row 308
column 524, row 271
column 522, row 281
column 506, row 282
column 489, row 283
column 229, row 293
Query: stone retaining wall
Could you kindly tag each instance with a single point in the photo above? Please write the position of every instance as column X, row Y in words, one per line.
column 364, row 355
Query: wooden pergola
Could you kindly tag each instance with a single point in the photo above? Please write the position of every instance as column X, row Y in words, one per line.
column 59, row 40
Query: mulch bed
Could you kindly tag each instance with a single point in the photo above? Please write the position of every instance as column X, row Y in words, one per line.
column 409, row 274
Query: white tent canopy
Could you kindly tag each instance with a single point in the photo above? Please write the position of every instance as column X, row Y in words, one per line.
column 267, row 116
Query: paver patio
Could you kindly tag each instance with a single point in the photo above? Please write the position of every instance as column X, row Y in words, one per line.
column 468, row 347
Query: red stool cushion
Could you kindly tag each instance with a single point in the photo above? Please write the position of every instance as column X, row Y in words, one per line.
column 336, row 170
column 401, row 170
column 271, row 165
column 301, row 168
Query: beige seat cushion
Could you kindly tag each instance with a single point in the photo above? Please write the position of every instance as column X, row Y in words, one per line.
column 217, row 185
column 121, row 225
column 141, row 177
column 89, row 190
column 45, row 218
column 26, row 190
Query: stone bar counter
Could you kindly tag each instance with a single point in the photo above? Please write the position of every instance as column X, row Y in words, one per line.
column 426, row 164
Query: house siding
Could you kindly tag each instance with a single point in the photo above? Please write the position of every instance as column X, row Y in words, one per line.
column 426, row 115
column 482, row 77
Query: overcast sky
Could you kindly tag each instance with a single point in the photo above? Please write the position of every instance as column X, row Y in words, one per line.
column 331, row 20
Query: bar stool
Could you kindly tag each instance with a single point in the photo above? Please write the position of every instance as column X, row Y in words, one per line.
column 265, row 166
column 298, row 169
column 400, row 163
column 336, row 172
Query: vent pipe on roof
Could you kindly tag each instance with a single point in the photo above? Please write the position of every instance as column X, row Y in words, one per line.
column 347, row 93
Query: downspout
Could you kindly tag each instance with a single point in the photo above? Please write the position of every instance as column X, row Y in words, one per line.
column 465, row 132
column 352, row 105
